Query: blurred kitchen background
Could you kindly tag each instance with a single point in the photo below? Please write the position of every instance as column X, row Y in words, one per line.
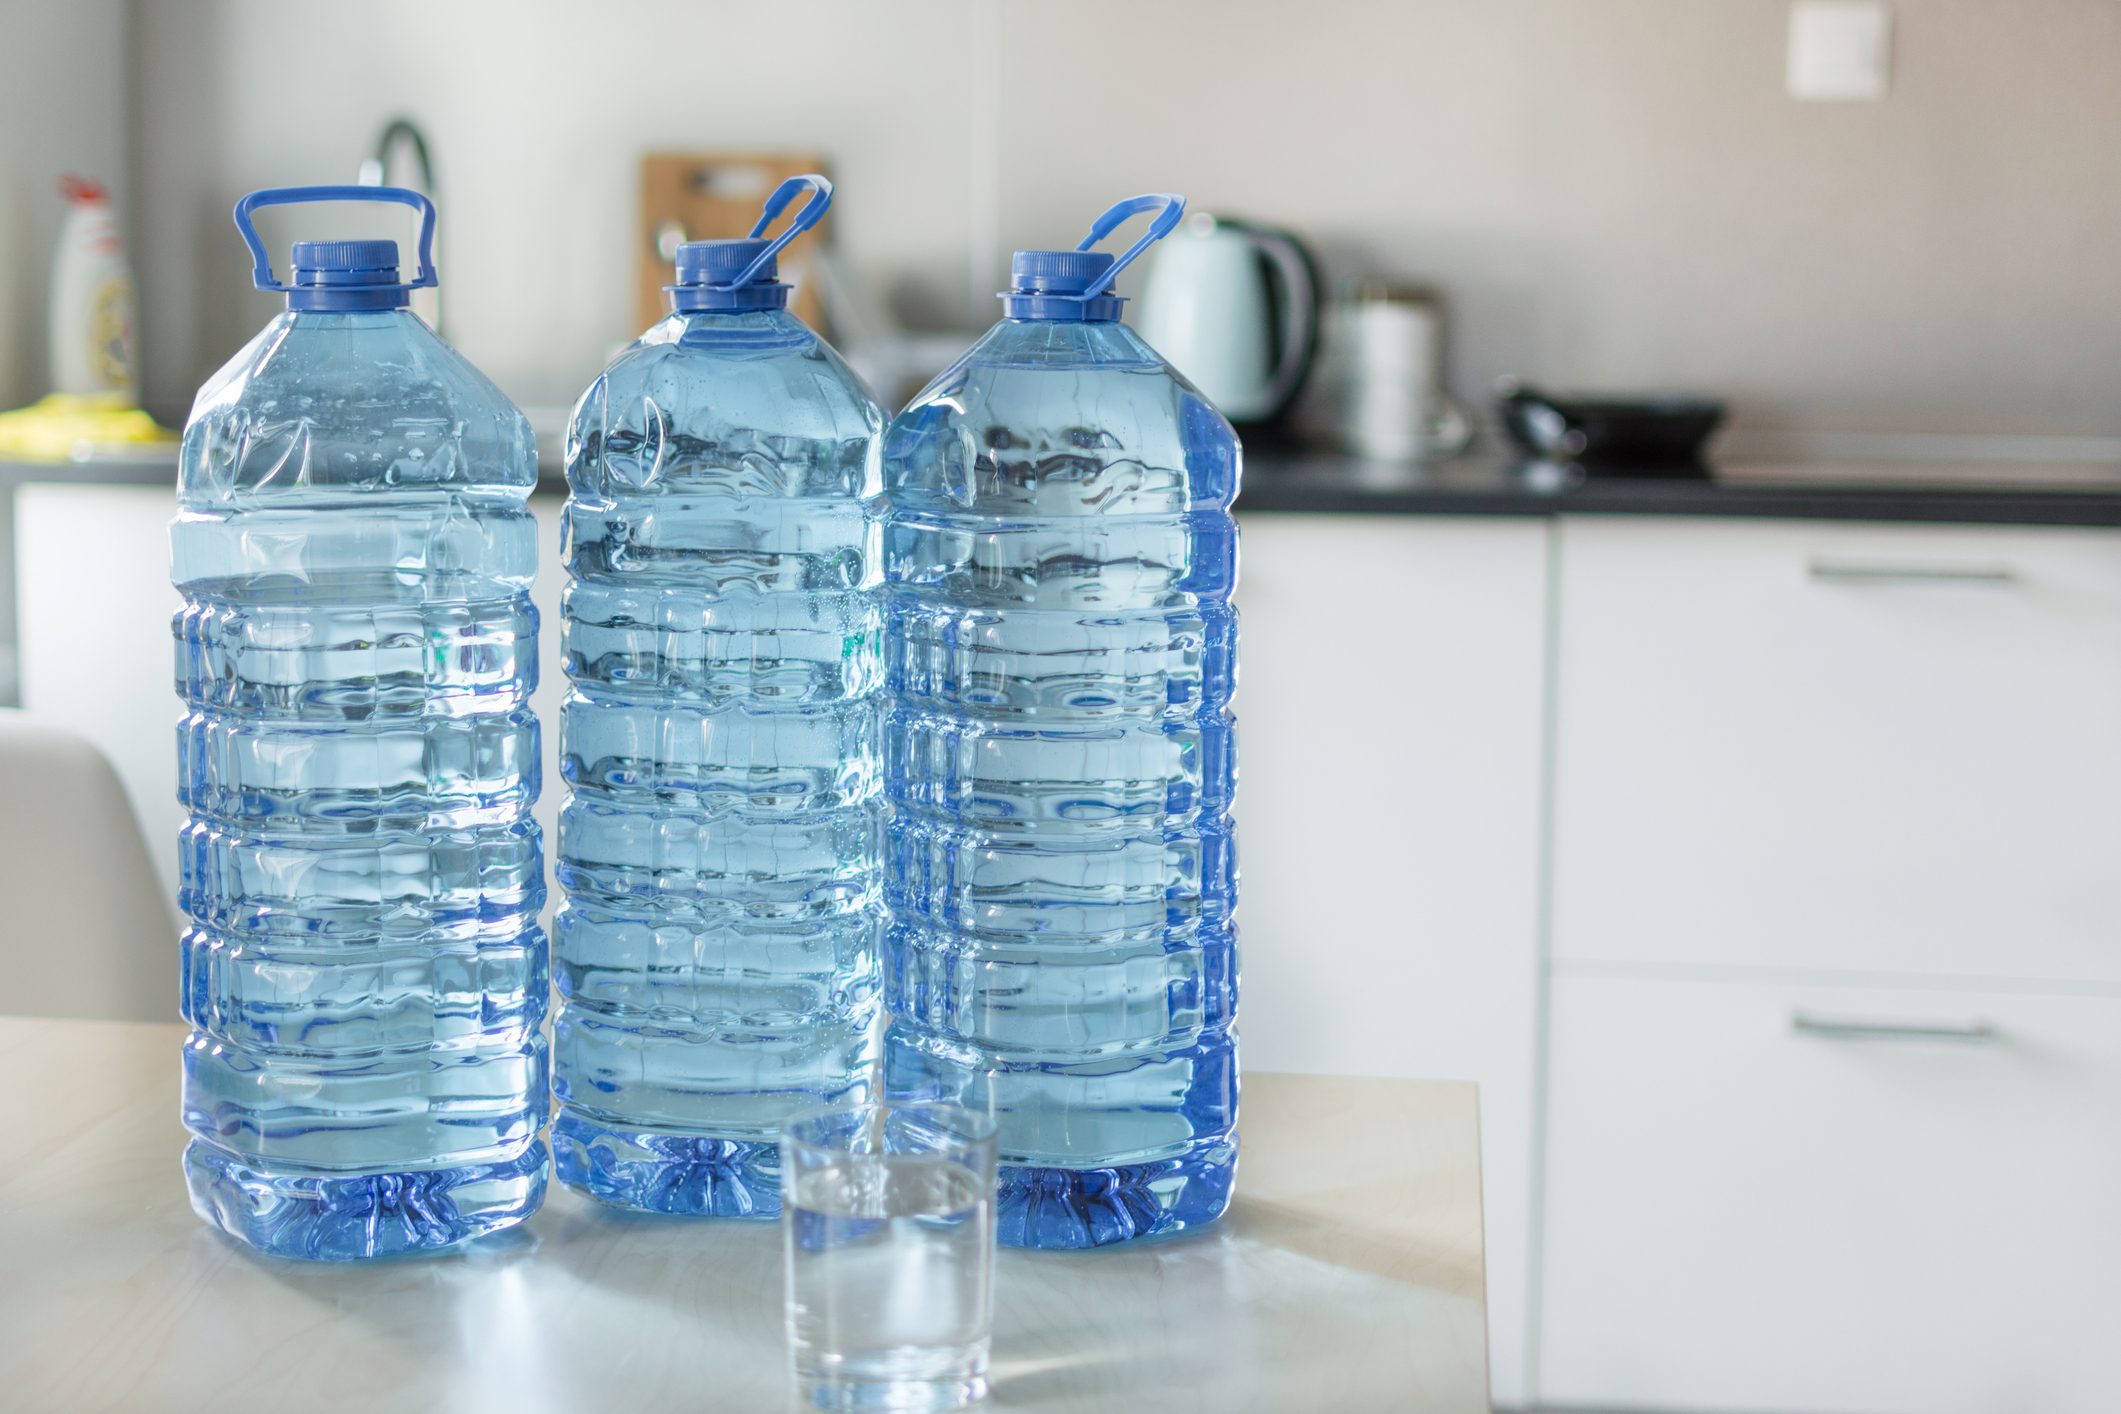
column 1619, row 193
column 1748, row 833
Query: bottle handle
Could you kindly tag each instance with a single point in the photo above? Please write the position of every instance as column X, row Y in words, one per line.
column 812, row 212
column 261, row 264
column 1173, row 206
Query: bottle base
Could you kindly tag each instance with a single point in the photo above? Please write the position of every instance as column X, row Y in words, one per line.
column 347, row 1218
column 1058, row 1209
column 684, row 1175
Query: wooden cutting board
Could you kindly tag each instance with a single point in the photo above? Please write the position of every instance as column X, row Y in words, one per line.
column 705, row 196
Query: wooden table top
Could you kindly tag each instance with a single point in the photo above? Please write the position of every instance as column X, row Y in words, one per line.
column 1347, row 1276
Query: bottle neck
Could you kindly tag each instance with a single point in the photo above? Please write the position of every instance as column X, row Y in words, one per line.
column 348, row 298
column 761, row 314
column 708, row 321
column 732, row 330
column 1062, row 309
column 741, row 299
column 1064, row 342
column 349, row 318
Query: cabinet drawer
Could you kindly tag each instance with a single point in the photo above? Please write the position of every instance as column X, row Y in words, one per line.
column 1872, row 748
column 1791, row 1198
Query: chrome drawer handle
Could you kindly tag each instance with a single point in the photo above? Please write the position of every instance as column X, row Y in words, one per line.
column 1805, row 1024
column 1871, row 572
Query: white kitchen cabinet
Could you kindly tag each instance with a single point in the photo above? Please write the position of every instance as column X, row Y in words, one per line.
column 1389, row 725
column 94, row 603
column 1868, row 748
column 1834, row 1033
column 1747, row 1211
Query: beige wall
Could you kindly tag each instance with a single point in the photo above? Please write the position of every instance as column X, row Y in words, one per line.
column 1613, row 192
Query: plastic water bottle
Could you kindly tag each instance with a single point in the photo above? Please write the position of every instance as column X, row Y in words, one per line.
column 1059, row 655
column 717, row 953
column 363, row 970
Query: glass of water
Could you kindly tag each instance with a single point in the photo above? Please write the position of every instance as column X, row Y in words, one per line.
column 888, row 1233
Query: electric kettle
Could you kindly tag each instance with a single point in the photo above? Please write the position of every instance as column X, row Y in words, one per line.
column 1234, row 307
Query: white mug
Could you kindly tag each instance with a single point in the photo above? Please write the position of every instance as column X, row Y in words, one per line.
column 1385, row 351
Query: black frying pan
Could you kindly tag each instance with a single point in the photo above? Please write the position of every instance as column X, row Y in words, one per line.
column 1643, row 430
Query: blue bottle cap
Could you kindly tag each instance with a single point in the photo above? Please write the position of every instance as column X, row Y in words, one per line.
column 728, row 275
column 1077, row 284
column 333, row 261
column 743, row 273
column 1054, row 284
column 346, row 275
column 1066, row 272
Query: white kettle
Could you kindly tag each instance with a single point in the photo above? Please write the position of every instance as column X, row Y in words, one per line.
column 1234, row 307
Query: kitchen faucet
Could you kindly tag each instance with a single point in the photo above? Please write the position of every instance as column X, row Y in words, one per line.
column 375, row 172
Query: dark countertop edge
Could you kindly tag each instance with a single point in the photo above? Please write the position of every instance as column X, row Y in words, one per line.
column 1914, row 504
column 111, row 473
column 147, row 473
column 1324, row 488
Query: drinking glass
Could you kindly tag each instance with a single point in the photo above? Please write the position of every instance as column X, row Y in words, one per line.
column 888, row 1240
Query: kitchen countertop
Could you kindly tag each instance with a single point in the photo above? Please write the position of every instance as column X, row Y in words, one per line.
column 1940, row 492
column 1966, row 493
column 1348, row 1275
column 114, row 471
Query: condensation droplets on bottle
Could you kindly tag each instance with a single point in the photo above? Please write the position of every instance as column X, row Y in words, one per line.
column 363, row 969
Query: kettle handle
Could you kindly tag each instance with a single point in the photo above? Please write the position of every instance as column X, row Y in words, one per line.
column 1299, row 286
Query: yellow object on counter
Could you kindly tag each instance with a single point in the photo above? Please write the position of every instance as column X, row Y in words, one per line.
column 68, row 427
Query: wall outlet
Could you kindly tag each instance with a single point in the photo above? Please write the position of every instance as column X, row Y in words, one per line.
column 1840, row 50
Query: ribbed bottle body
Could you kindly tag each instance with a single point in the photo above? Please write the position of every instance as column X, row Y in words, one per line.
column 362, row 969
column 717, row 948
column 1060, row 654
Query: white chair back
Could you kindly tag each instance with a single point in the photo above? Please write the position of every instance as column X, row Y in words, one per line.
column 84, row 928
